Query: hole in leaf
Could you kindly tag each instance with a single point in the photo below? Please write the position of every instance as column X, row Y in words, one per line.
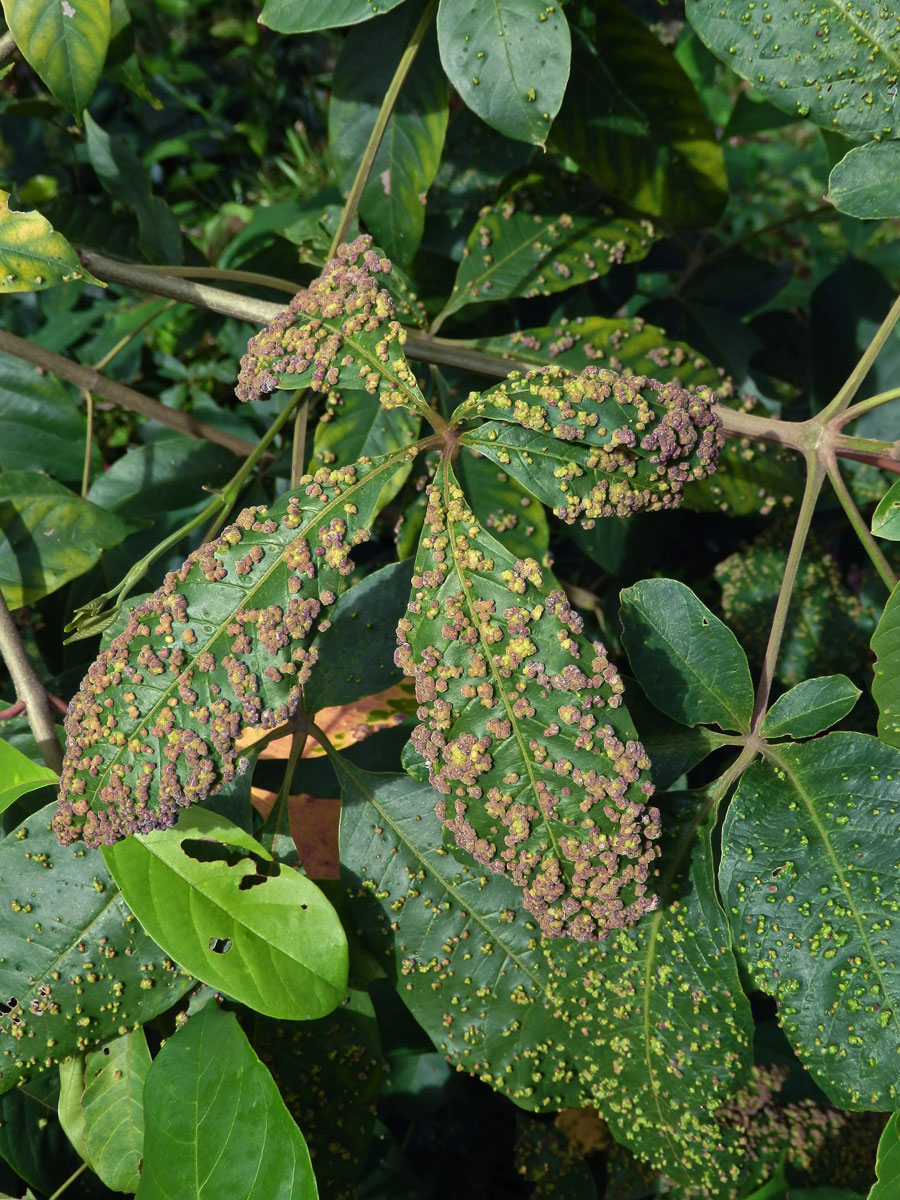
column 106, row 1049
column 303, row 906
column 206, row 850
column 8, row 1006
column 250, row 881
column 220, row 945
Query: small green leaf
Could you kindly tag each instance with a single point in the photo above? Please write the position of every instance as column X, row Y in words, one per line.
column 808, row 877
column 887, row 1164
column 267, row 937
column 509, row 61
column 865, row 182
column 810, row 707
column 101, row 1108
column 215, row 1125
column 886, row 684
column 48, row 535
column 827, row 62
column 33, row 256
column 307, row 16
column 886, row 518
column 57, row 1005
column 689, row 664
column 19, row 775
column 65, row 43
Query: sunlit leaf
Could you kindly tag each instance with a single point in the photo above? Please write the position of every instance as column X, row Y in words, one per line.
column 887, row 1166
column 65, row 43
column 886, row 518
column 306, row 16
column 19, row 775
column 33, row 255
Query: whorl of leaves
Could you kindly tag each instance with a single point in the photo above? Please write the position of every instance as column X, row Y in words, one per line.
column 338, row 332
column 617, row 444
column 523, row 731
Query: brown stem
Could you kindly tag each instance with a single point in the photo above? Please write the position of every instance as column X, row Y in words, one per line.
column 29, row 689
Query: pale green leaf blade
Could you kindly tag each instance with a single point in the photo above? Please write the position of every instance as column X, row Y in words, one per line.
column 307, row 16
column 48, row 535
column 809, row 879
column 78, row 971
column 19, row 775
column 886, row 518
column 65, row 43
column 33, row 255
column 886, row 684
column 689, row 664
column 101, row 1108
column 639, row 1001
column 522, row 728
column 887, row 1165
column 491, row 1015
column 196, row 663
column 272, row 941
column 509, row 61
column 215, row 1125
column 866, row 182
column 832, row 63
column 810, row 707
column 393, row 202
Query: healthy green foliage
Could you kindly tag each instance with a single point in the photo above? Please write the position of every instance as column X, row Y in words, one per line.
column 65, row 45
column 864, row 182
column 810, row 707
column 20, row 775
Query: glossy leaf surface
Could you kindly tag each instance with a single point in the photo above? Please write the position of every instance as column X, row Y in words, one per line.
column 886, row 684
column 215, row 1124
column 828, row 62
column 306, row 16
column 101, row 1108
column 509, row 61
column 887, row 1166
column 886, row 518
column 19, row 775
column 864, row 183
column 522, row 728
column 65, row 44
column 808, row 878
column 197, row 663
column 689, row 664
column 810, row 707
column 65, row 963
column 262, row 933
column 32, row 254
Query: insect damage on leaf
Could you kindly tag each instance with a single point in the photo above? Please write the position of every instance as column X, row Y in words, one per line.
column 154, row 725
column 338, row 332
column 522, row 728
column 598, row 444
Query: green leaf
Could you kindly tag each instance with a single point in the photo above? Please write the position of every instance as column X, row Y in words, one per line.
column 887, row 1165
column 832, row 64
column 598, row 444
column 41, row 426
column 808, row 878
column 198, row 663
column 886, row 518
column 65, row 43
column 364, row 346
column 215, row 1124
column 689, row 664
column 268, row 937
column 509, row 62
column 673, row 748
column 393, row 202
column 504, row 507
column 886, row 684
column 361, row 641
column 527, row 244
column 634, row 123
column 79, row 969
column 306, row 16
column 864, row 183
column 522, row 724
column 644, row 1005
column 49, row 535
column 751, row 478
column 125, row 178
column 101, row 1108
column 31, row 1139
column 19, row 775
column 810, row 707
column 33, row 255
column 467, row 964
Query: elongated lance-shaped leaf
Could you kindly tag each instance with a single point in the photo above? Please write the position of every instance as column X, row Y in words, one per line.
column 75, row 966
column 886, row 685
column 597, row 444
column 468, row 965
column 809, row 879
column 522, row 728
column 665, row 1030
column 65, row 43
column 223, row 644
column 337, row 333
column 33, row 255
